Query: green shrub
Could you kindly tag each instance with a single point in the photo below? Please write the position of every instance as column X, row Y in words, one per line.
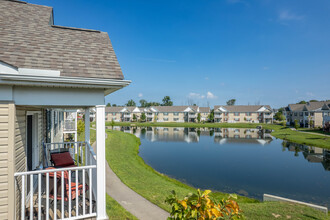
column 201, row 206
column 296, row 124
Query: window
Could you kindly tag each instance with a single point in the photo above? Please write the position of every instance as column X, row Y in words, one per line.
column 165, row 113
column 236, row 119
column 306, row 113
column 300, row 114
column 176, row 113
column 312, row 113
column 295, row 114
column 248, row 114
column 113, row 113
column 165, row 119
column 236, row 113
column 176, row 119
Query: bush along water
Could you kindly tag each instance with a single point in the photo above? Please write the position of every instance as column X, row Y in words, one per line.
column 202, row 207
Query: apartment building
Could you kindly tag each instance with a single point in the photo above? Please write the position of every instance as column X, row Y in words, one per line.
column 243, row 114
column 118, row 114
column 204, row 112
column 307, row 115
column 157, row 113
column 326, row 115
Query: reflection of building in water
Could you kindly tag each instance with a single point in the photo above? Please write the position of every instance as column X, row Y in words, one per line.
column 311, row 154
column 246, row 135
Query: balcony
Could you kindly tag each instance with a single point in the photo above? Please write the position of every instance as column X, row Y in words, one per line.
column 192, row 115
column 127, row 115
column 268, row 116
column 149, row 115
column 51, row 193
column 217, row 116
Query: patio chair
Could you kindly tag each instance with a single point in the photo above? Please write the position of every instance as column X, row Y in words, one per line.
column 62, row 159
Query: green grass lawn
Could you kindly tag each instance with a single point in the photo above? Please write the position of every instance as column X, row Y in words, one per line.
column 116, row 212
column 314, row 130
column 122, row 155
column 280, row 131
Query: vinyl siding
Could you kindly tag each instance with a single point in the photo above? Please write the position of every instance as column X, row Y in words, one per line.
column 4, row 145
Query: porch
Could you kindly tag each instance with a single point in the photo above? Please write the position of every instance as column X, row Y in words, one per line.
column 73, row 188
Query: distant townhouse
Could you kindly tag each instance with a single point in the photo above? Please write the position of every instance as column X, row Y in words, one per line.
column 243, row 113
column 205, row 112
column 157, row 113
column 117, row 114
column 326, row 115
column 175, row 113
column 307, row 115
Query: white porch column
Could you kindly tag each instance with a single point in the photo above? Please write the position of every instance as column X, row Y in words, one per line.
column 87, row 125
column 100, row 161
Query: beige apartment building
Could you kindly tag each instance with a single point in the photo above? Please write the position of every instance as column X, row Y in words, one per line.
column 326, row 115
column 243, row 114
column 118, row 114
column 307, row 115
column 158, row 113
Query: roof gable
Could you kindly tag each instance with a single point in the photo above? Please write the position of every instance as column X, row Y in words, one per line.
column 32, row 42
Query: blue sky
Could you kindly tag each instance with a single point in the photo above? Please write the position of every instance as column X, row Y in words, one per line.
column 263, row 51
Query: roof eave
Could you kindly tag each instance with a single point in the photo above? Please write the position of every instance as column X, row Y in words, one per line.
column 109, row 85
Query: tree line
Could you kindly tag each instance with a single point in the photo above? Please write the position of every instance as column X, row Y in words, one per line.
column 166, row 101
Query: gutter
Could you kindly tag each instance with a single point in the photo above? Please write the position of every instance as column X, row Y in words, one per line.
column 109, row 85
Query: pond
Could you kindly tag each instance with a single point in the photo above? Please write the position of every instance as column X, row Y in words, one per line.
column 248, row 162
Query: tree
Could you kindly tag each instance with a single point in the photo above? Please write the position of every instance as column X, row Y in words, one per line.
column 131, row 103
column 143, row 116
column 199, row 117
column 313, row 100
column 211, row 116
column 167, row 101
column 143, row 103
column 80, row 127
column 302, row 102
column 279, row 116
column 108, row 105
column 296, row 125
column 114, row 105
column 231, row 102
column 134, row 117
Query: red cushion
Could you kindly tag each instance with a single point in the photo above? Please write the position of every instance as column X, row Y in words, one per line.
column 62, row 159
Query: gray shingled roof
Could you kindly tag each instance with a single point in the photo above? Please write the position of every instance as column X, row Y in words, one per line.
column 113, row 109
column 174, row 108
column 204, row 109
column 29, row 40
column 296, row 107
column 310, row 106
column 242, row 108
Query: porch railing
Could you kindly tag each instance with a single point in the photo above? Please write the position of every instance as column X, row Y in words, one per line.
column 59, row 193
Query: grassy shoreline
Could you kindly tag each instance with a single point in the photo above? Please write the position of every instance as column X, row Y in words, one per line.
column 122, row 155
column 279, row 131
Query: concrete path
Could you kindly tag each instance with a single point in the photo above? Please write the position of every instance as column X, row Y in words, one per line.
column 130, row 200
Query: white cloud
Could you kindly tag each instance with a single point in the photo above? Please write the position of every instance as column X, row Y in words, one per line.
column 206, row 78
column 210, row 95
column 286, row 15
column 193, row 95
column 140, row 95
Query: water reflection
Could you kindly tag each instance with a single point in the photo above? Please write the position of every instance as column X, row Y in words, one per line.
column 311, row 154
column 192, row 135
